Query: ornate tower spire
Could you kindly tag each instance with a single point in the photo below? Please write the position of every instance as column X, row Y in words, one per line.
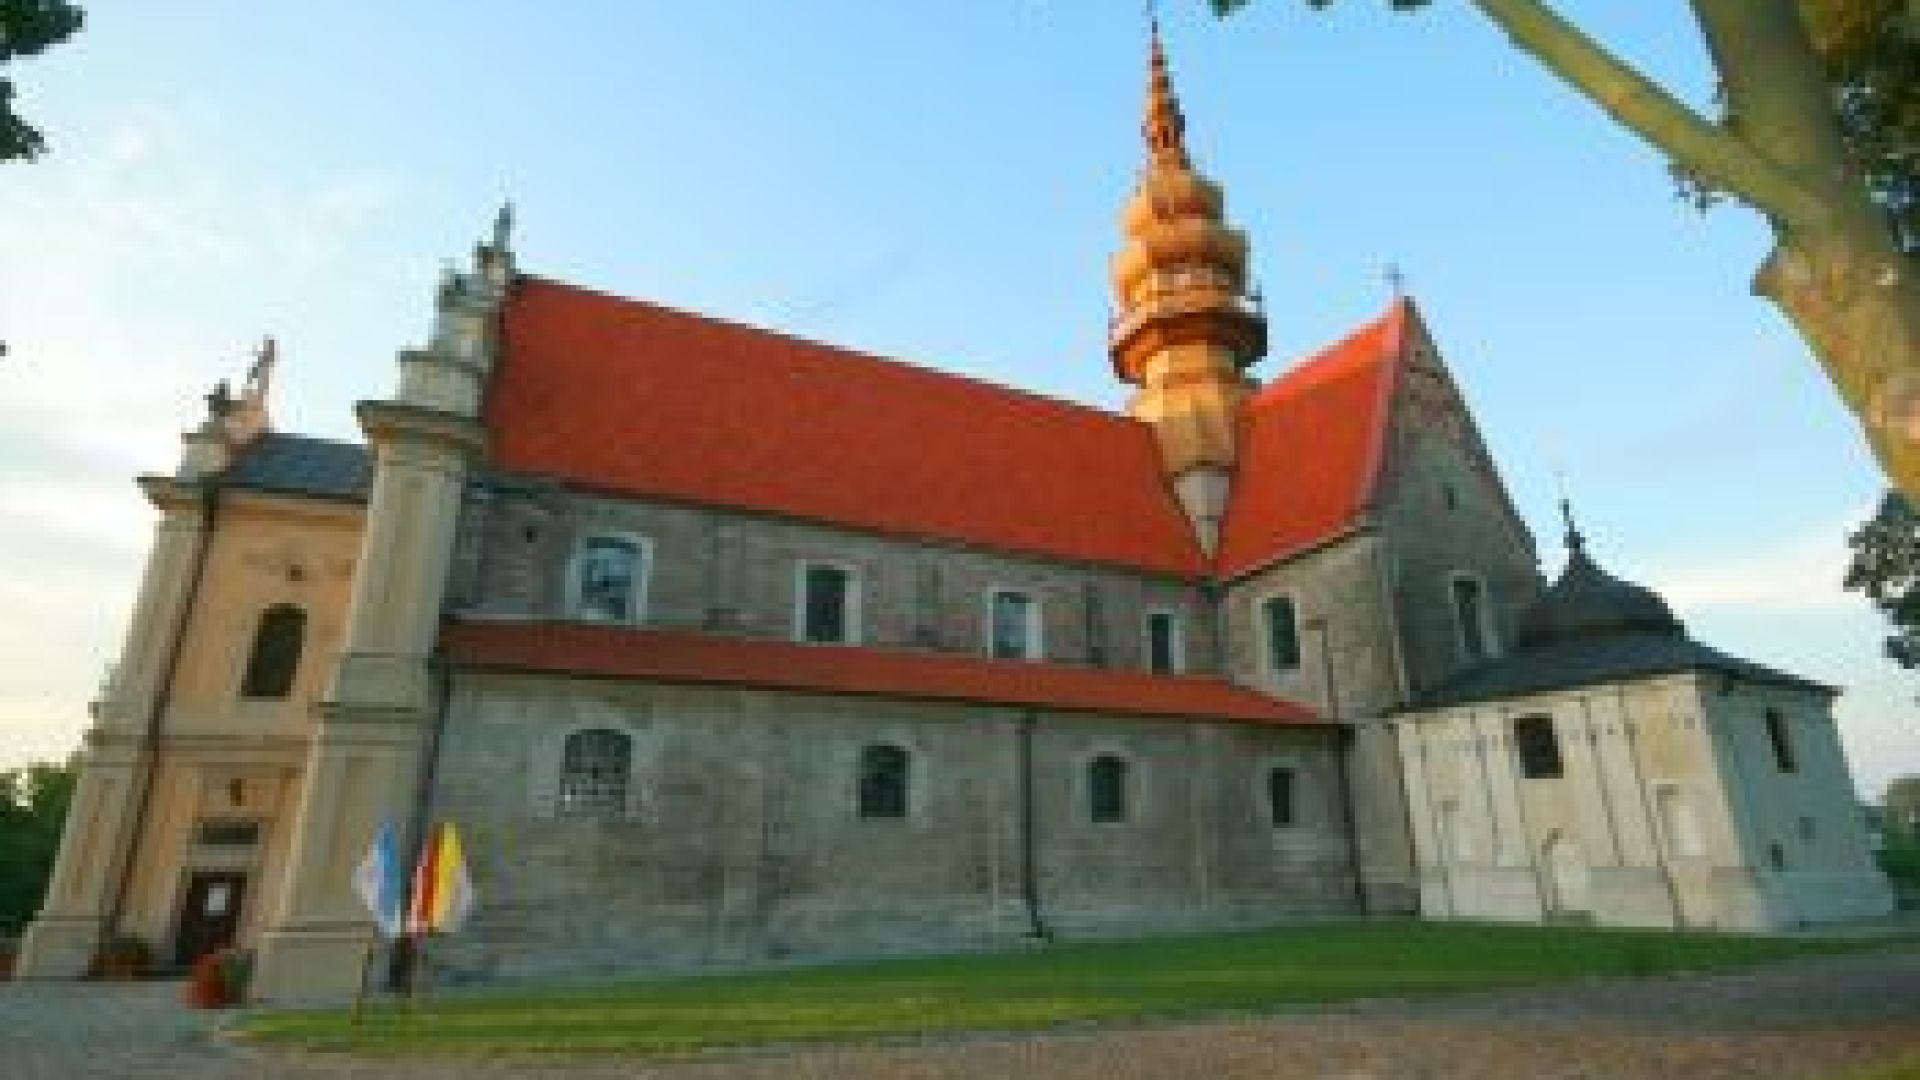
column 1187, row 324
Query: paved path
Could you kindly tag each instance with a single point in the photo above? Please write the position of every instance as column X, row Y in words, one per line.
column 1812, row 1018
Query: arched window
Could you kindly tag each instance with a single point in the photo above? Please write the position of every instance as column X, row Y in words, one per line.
column 275, row 659
column 1537, row 746
column 1107, row 788
column 1281, row 625
column 1280, row 798
column 594, row 768
column 883, row 782
column 609, row 576
column 1781, row 737
column 1470, row 617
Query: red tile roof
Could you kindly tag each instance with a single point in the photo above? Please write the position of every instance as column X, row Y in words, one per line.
column 629, row 397
column 1313, row 443
column 682, row 657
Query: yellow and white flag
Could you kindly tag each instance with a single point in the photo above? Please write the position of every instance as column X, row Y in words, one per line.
column 442, row 891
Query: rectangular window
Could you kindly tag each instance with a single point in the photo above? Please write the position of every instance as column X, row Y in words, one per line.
column 1469, row 612
column 826, row 604
column 1280, row 795
column 1538, row 747
column 1014, row 631
column 606, row 579
column 1782, row 739
column 1283, row 633
column 1163, row 642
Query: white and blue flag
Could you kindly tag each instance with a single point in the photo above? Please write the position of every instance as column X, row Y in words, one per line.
column 382, row 884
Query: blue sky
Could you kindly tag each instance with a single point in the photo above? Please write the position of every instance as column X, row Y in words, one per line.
column 935, row 181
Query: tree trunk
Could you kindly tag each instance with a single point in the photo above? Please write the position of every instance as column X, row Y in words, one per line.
column 1841, row 280
column 1857, row 305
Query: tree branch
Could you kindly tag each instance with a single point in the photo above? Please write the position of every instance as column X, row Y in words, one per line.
column 1714, row 154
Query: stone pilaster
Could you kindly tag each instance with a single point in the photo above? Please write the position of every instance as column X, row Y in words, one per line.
column 99, row 835
column 366, row 761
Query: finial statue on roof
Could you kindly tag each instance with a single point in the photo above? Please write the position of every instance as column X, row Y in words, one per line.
column 1396, row 280
column 1575, row 542
column 503, row 227
column 260, row 374
column 219, row 401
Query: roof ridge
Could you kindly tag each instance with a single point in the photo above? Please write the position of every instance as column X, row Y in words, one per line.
column 913, row 367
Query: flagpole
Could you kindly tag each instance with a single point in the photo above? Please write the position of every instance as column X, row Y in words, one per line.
column 360, row 991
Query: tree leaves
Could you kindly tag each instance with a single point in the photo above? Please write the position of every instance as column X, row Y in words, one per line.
column 28, row 28
column 33, row 811
column 1886, row 567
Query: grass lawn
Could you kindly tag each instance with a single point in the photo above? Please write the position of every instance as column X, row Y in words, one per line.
column 1061, row 984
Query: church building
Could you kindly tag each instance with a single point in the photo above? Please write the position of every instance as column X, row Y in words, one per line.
column 724, row 648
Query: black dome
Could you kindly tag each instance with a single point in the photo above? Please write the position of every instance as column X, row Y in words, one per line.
column 1587, row 602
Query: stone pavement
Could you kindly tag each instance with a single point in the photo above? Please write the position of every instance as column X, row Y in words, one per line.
column 1822, row 1017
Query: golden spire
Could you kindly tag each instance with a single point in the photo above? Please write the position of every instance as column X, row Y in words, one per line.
column 1185, row 324
column 1166, row 128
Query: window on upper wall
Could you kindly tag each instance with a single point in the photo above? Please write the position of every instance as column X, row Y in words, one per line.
column 1538, row 747
column 1013, row 625
column 1163, row 642
column 275, row 659
column 827, row 610
column 1281, row 626
column 885, row 772
column 1780, row 735
column 1107, row 788
column 1470, row 617
column 1281, row 811
column 609, row 579
column 595, row 765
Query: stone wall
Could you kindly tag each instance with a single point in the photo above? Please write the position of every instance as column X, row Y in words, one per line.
column 1445, row 513
column 742, row 841
column 736, row 571
column 1349, row 668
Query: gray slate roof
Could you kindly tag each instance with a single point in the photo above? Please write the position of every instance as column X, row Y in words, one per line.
column 285, row 464
column 1591, row 628
column 1586, row 661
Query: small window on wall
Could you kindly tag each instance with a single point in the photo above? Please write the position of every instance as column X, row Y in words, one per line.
column 1013, row 625
column 609, row 579
column 1538, row 747
column 1107, row 789
column 228, row 833
column 884, row 776
column 595, row 766
column 1780, row 735
column 1281, row 794
column 1281, row 624
column 828, row 604
column 1163, row 642
column 275, row 659
column 1470, row 617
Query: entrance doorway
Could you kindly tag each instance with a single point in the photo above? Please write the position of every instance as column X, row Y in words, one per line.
column 210, row 916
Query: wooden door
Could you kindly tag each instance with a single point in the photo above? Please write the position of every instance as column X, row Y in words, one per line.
column 210, row 917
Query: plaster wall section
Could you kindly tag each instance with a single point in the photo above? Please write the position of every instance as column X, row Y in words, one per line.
column 740, row 840
column 1800, row 829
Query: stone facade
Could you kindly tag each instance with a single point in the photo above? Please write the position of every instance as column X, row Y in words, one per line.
column 741, row 841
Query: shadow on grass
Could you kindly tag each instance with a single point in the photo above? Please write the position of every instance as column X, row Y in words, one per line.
column 1066, row 984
